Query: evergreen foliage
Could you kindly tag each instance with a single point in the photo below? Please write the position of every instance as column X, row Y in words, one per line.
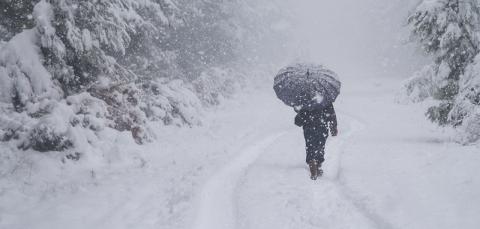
column 69, row 69
column 448, row 30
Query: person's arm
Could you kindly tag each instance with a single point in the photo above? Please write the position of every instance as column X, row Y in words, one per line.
column 299, row 119
column 332, row 121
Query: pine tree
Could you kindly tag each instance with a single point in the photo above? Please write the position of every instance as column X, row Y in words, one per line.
column 447, row 30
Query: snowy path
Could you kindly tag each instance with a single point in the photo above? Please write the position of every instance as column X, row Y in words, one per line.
column 267, row 186
column 217, row 203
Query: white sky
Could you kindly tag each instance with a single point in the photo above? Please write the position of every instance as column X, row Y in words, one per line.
column 355, row 37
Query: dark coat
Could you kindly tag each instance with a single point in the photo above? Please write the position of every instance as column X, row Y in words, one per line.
column 315, row 125
column 319, row 118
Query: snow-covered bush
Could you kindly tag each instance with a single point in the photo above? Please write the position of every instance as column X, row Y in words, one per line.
column 448, row 31
column 216, row 83
column 174, row 103
column 70, row 70
column 63, row 79
column 419, row 86
column 51, row 125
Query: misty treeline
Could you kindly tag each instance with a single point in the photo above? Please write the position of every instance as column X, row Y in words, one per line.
column 71, row 69
column 449, row 32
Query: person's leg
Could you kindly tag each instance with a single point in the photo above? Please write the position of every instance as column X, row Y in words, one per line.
column 314, row 143
column 320, row 156
column 311, row 139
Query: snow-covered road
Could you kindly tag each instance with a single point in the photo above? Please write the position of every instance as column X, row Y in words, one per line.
column 388, row 169
column 217, row 208
column 267, row 186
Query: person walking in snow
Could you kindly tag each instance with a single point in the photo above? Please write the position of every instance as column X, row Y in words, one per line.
column 316, row 125
column 311, row 89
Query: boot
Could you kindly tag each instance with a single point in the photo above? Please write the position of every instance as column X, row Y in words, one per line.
column 314, row 169
column 319, row 170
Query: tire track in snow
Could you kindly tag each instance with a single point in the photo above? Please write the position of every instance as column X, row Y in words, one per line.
column 356, row 125
column 216, row 204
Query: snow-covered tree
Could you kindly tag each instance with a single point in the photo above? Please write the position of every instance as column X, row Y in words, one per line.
column 465, row 113
column 448, row 30
column 15, row 16
column 71, row 69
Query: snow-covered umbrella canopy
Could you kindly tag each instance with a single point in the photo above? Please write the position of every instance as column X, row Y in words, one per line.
column 307, row 86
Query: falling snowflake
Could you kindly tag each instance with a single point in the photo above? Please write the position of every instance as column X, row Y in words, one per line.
column 318, row 98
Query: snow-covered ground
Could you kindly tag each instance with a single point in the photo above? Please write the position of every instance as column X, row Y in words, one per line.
column 244, row 168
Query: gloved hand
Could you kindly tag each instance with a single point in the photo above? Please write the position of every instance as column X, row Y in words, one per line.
column 298, row 120
column 334, row 131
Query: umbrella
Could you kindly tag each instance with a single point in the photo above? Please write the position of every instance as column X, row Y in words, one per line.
column 307, row 86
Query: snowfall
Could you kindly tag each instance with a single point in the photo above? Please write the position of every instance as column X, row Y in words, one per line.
column 244, row 168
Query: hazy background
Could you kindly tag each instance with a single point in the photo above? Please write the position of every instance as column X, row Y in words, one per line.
column 353, row 37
